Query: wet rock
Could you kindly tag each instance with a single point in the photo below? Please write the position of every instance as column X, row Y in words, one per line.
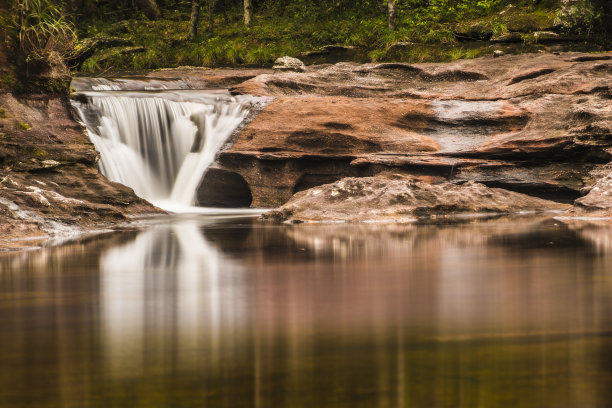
column 380, row 198
column 289, row 64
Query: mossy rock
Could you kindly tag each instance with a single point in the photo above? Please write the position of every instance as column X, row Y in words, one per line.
column 90, row 46
column 512, row 37
column 100, row 59
column 53, row 85
column 473, row 32
column 525, row 23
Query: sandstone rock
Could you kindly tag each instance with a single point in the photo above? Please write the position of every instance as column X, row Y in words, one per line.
column 289, row 64
column 198, row 77
column 537, row 123
column 48, row 183
column 498, row 53
column 376, row 198
column 599, row 198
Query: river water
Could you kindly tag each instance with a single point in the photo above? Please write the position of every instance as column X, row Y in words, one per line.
column 201, row 311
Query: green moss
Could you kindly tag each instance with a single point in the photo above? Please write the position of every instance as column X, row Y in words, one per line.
column 7, row 80
column 40, row 153
column 23, row 126
column 53, row 85
column 3, row 113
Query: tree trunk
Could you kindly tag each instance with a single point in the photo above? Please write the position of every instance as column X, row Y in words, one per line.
column 211, row 17
column 195, row 18
column 391, row 11
column 149, row 8
column 248, row 12
column 225, row 6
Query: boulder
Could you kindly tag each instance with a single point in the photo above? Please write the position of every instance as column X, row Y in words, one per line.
column 289, row 64
column 598, row 201
column 398, row 198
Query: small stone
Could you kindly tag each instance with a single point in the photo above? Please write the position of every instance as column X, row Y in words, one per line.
column 498, row 53
column 50, row 163
column 289, row 64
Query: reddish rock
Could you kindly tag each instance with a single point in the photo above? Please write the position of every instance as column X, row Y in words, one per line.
column 534, row 123
column 380, row 198
column 48, row 181
column 598, row 200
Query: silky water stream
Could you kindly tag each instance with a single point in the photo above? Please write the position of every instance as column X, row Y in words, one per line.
column 195, row 310
column 155, row 140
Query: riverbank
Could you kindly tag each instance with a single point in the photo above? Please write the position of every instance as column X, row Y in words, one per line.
column 538, row 125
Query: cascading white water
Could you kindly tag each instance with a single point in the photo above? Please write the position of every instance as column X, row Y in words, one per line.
column 160, row 144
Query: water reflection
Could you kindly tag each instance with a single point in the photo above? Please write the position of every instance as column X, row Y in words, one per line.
column 238, row 314
column 167, row 290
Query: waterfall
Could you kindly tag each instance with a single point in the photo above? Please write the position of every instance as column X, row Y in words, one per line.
column 160, row 143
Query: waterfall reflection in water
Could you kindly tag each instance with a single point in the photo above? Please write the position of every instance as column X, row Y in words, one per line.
column 238, row 314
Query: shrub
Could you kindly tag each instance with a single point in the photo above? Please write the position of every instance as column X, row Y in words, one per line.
column 40, row 31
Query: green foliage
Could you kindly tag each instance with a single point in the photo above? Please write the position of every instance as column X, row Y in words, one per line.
column 23, row 126
column 578, row 16
column 41, row 30
column 53, row 85
column 292, row 27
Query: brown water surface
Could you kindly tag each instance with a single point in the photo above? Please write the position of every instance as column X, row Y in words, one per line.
column 231, row 313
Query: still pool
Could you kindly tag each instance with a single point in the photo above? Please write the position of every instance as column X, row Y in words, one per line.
column 230, row 312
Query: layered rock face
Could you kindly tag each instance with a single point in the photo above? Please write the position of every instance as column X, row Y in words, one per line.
column 539, row 124
column 48, row 181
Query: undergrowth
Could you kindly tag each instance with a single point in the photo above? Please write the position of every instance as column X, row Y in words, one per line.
column 430, row 26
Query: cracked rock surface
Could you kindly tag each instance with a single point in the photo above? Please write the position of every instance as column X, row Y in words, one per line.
column 538, row 124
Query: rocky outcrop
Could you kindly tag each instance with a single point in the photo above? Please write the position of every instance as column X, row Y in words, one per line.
column 598, row 198
column 209, row 78
column 284, row 64
column 49, row 185
column 535, row 124
column 398, row 198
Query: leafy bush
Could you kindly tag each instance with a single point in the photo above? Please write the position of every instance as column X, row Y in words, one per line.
column 578, row 16
column 41, row 32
